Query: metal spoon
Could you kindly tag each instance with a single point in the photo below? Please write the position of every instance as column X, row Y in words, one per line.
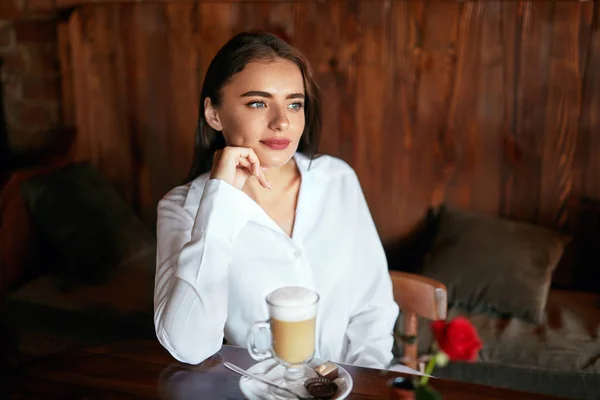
column 245, row 373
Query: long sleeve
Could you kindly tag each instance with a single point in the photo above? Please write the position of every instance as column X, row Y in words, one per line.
column 193, row 257
column 373, row 311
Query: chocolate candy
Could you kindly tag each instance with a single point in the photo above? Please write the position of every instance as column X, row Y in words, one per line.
column 327, row 370
column 321, row 388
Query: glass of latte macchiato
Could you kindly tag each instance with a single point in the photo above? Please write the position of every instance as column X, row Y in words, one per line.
column 292, row 320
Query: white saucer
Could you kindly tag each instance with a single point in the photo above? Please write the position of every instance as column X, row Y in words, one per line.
column 270, row 369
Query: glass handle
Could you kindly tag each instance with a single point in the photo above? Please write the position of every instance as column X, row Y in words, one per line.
column 255, row 353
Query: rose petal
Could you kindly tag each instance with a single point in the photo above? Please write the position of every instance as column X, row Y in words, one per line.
column 457, row 338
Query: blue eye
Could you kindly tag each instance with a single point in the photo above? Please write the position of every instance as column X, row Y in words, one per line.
column 296, row 106
column 257, row 104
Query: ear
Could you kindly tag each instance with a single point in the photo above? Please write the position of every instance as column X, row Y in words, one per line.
column 211, row 114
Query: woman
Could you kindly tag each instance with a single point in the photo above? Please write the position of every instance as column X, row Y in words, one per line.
column 268, row 214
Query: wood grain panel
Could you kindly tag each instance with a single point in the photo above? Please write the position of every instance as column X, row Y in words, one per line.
column 432, row 157
column 82, row 148
column 562, row 114
column 66, row 70
column 106, row 113
column 488, row 105
column 530, row 33
column 461, row 136
column 151, row 107
column 587, row 160
column 489, row 123
column 407, row 52
column 373, row 99
column 216, row 28
column 140, row 370
column 183, row 77
column 510, row 151
column 128, row 47
column 344, row 68
column 281, row 18
column 325, row 55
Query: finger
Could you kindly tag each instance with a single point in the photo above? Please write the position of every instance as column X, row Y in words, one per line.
column 262, row 179
column 246, row 166
column 251, row 156
column 234, row 157
column 257, row 170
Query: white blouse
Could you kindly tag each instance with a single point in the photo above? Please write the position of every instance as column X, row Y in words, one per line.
column 219, row 255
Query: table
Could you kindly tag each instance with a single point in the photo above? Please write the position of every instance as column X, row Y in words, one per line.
column 144, row 370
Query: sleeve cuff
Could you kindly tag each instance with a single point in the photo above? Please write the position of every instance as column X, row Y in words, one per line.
column 224, row 211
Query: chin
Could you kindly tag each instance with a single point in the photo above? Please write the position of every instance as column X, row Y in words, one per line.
column 274, row 158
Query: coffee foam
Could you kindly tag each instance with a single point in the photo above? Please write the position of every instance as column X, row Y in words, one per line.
column 292, row 304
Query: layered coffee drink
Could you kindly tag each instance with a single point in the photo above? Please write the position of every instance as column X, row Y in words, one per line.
column 293, row 312
column 292, row 326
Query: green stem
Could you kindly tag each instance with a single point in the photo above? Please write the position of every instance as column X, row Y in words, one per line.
column 428, row 370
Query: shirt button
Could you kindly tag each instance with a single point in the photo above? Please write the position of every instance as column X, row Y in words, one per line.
column 297, row 254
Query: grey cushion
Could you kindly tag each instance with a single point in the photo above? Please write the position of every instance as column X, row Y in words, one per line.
column 493, row 265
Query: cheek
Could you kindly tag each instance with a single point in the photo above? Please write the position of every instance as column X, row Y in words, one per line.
column 247, row 128
column 297, row 122
column 241, row 130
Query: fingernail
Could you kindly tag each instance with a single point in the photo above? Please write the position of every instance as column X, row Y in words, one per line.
column 269, row 186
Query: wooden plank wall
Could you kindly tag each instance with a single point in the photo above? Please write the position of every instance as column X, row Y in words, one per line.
column 489, row 105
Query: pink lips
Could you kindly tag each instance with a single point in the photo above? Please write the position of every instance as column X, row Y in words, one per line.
column 276, row 144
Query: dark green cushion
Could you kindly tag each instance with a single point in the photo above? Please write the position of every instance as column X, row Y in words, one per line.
column 87, row 222
column 493, row 265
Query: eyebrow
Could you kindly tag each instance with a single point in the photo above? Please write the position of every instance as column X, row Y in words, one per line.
column 259, row 93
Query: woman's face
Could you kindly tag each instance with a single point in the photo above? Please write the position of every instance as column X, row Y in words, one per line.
column 262, row 107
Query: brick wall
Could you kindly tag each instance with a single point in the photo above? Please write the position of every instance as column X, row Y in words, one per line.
column 31, row 76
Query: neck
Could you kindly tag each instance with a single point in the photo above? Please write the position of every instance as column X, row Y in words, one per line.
column 279, row 178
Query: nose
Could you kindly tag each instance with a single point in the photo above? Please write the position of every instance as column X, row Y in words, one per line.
column 279, row 121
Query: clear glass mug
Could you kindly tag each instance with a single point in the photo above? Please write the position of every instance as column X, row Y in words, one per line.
column 292, row 322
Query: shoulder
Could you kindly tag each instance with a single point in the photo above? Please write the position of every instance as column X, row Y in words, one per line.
column 187, row 194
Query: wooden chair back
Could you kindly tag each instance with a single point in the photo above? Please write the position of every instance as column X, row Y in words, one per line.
column 417, row 296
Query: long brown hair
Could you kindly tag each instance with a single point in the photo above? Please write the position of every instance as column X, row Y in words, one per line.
column 240, row 50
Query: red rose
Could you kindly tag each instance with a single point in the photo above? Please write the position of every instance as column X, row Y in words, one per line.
column 457, row 338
